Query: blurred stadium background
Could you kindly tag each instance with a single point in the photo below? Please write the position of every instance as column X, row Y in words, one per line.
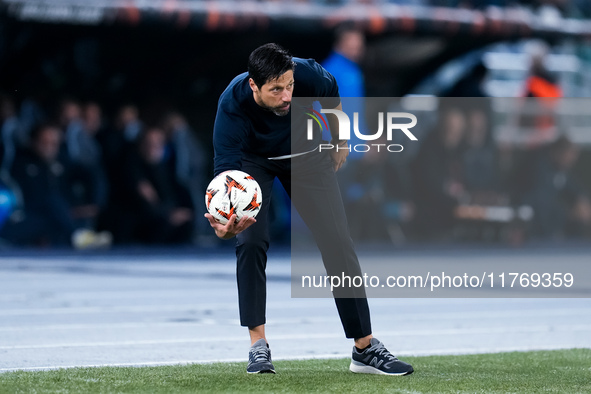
column 130, row 89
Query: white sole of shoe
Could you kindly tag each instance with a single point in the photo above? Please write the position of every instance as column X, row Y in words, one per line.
column 357, row 367
column 263, row 371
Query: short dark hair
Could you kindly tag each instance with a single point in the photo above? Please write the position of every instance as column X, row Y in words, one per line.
column 268, row 62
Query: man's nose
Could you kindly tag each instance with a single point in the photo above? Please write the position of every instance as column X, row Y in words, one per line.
column 286, row 97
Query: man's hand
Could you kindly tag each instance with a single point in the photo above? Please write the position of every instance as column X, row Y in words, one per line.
column 230, row 229
column 341, row 149
column 339, row 157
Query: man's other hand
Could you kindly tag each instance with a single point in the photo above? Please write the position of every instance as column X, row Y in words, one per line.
column 230, row 229
column 339, row 155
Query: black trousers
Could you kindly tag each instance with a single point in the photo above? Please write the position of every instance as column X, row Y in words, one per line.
column 320, row 205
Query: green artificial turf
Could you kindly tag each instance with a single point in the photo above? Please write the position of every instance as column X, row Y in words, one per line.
column 560, row 371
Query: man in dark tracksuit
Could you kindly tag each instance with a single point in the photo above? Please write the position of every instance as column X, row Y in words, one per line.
column 252, row 133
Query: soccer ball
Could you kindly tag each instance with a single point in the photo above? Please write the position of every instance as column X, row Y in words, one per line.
column 233, row 192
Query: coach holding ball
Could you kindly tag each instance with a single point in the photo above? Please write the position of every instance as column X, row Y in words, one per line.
column 252, row 133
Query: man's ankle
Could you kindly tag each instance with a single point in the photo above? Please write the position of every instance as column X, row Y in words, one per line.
column 363, row 343
column 256, row 333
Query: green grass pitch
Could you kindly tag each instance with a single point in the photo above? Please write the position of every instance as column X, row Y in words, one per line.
column 560, row 371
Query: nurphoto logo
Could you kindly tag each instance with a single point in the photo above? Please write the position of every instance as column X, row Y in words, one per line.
column 345, row 129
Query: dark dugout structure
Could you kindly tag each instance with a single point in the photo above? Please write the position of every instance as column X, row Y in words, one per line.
column 175, row 53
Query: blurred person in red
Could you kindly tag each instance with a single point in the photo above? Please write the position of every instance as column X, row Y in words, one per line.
column 541, row 83
column 157, row 208
column 538, row 118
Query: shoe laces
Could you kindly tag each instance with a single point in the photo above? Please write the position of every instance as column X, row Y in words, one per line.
column 382, row 351
column 260, row 353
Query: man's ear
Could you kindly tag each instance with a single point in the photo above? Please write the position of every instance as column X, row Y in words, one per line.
column 253, row 85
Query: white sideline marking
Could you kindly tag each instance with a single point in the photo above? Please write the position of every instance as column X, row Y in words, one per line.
column 558, row 311
column 115, row 309
column 201, row 322
column 438, row 332
column 453, row 351
column 310, row 320
column 207, row 321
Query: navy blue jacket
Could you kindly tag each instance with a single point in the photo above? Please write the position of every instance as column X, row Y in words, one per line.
column 242, row 126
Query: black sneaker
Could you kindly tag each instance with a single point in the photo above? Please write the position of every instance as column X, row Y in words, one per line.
column 377, row 359
column 259, row 358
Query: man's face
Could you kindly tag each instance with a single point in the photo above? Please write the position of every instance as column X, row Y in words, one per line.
column 47, row 144
column 454, row 128
column 92, row 118
column 275, row 95
column 128, row 114
column 70, row 111
column 352, row 46
column 152, row 147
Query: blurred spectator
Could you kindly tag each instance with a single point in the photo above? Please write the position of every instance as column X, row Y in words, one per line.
column 480, row 158
column 45, row 181
column 117, row 142
column 540, row 83
column 80, row 129
column 89, row 149
column 8, row 199
column 9, row 130
column 561, row 205
column 438, row 174
column 89, row 193
column 538, row 117
column 70, row 119
column 375, row 188
column 31, row 115
column 129, row 123
column 343, row 63
column 190, row 163
column 156, row 208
